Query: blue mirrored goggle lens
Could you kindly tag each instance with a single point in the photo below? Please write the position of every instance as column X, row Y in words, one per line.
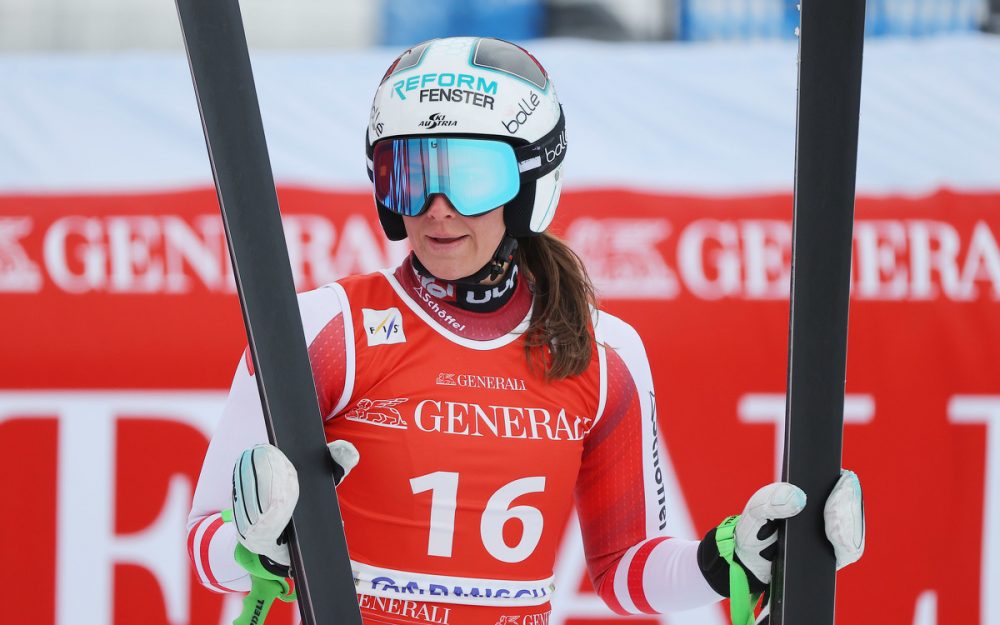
column 477, row 175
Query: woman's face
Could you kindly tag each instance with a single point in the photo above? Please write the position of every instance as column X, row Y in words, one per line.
column 451, row 245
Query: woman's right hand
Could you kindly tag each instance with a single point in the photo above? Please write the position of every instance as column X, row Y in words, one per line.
column 265, row 491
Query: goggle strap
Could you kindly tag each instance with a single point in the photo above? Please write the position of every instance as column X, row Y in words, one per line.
column 545, row 155
column 533, row 161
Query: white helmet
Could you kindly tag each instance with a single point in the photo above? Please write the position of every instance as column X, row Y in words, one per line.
column 478, row 88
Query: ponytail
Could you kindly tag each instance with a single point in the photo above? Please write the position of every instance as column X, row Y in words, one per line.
column 559, row 338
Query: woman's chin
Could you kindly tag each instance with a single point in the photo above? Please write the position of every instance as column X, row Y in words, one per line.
column 444, row 272
column 448, row 269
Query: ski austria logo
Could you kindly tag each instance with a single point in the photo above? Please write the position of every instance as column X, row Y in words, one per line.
column 383, row 327
column 435, row 120
column 380, row 412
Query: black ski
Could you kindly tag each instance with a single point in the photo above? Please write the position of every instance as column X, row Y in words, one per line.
column 830, row 49
column 223, row 81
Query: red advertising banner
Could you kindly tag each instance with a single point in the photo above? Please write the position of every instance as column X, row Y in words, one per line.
column 122, row 330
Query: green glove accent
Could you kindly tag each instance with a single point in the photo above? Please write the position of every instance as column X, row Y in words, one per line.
column 265, row 587
column 741, row 602
column 227, row 515
column 251, row 562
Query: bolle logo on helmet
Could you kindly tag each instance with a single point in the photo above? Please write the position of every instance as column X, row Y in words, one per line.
column 557, row 151
column 435, row 120
column 375, row 121
column 525, row 107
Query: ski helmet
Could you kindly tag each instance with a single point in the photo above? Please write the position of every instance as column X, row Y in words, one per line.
column 480, row 88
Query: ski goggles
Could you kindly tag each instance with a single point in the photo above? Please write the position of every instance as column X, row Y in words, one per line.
column 477, row 175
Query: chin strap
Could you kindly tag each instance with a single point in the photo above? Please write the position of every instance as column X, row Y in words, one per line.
column 741, row 602
column 495, row 267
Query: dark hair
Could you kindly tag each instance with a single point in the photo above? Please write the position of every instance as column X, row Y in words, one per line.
column 559, row 338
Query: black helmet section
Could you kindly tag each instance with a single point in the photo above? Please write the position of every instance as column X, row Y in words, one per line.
column 392, row 223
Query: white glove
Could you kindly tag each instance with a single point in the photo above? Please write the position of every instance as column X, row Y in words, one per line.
column 755, row 533
column 265, row 491
column 843, row 517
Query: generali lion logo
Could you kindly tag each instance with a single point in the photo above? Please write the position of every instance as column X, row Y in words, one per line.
column 380, row 412
column 17, row 272
column 446, row 379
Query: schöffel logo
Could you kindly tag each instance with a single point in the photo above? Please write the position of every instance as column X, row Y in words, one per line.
column 383, row 327
column 378, row 412
column 435, row 120
column 480, row 381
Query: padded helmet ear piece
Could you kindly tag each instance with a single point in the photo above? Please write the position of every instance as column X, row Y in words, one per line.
column 547, row 192
column 517, row 212
column 392, row 224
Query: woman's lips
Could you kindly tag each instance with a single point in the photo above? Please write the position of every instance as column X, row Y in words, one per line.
column 445, row 243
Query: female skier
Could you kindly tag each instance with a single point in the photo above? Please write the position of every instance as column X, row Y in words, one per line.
column 475, row 393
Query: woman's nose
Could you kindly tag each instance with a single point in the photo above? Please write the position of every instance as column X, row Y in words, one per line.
column 441, row 208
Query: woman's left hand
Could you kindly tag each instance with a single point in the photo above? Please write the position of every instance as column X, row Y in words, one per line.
column 755, row 535
column 843, row 516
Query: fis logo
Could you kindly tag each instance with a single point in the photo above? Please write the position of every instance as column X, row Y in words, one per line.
column 435, row 120
column 383, row 327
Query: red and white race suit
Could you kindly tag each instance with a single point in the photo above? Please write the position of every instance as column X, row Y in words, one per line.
column 470, row 460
